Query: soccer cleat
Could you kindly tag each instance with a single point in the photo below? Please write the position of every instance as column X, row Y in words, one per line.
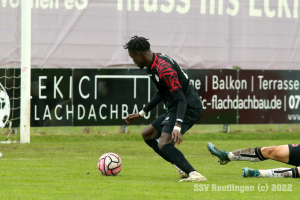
column 181, row 173
column 194, row 177
column 222, row 155
column 247, row 172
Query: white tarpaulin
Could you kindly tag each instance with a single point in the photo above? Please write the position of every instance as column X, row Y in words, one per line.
column 250, row 34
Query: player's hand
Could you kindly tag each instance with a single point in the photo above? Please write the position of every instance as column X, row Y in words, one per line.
column 131, row 117
column 177, row 136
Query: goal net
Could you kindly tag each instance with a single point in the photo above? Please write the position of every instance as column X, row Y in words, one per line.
column 11, row 75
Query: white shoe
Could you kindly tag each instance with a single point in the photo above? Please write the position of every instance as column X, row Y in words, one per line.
column 181, row 173
column 194, row 177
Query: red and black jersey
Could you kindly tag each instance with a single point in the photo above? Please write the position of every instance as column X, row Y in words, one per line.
column 172, row 85
column 167, row 76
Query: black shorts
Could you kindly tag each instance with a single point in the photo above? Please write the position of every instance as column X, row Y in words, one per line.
column 166, row 122
column 294, row 154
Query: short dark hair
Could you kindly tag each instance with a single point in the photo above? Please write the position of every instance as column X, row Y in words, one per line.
column 137, row 44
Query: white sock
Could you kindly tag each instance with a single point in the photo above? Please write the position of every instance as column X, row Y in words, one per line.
column 276, row 173
column 252, row 154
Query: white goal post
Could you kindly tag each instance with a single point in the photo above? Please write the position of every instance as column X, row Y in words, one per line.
column 25, row 71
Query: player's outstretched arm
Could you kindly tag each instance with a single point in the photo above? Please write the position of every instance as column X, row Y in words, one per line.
column 131, row 117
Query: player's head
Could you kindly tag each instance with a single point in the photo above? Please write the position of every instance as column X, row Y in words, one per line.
column 137, row 46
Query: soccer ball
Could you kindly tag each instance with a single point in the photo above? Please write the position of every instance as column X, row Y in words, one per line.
column 110, row 164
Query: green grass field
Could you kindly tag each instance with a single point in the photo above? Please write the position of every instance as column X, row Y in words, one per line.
column 65, row 167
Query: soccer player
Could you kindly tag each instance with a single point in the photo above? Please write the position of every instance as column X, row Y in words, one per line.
column 179, row 96
column 289, row 154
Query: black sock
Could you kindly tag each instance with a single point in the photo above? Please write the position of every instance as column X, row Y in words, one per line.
column 176, row 157
column 295, row 172
column 154, row 145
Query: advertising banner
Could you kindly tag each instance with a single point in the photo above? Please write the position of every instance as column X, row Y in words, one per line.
column 98, row 97
column 103, row 97
column 271, row 97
